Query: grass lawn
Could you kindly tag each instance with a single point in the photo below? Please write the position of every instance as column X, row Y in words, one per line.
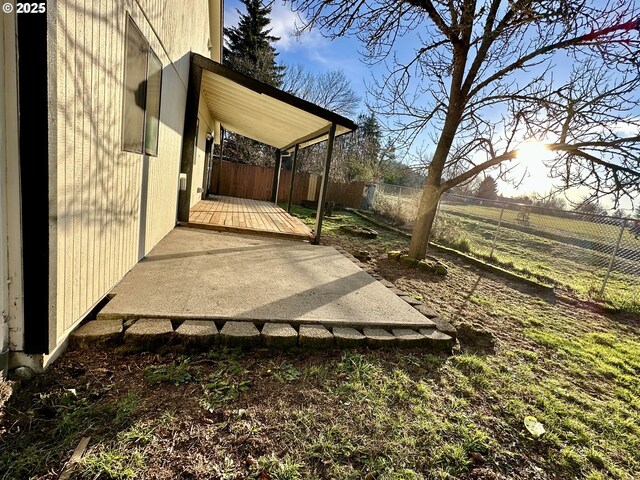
column 357, row 414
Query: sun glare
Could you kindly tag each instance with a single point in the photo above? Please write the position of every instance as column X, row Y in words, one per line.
column 532, row 150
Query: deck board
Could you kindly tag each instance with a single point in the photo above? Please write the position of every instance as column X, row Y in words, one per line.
column 242, row 215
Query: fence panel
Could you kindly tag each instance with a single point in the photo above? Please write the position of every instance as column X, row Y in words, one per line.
column 255, row 182
column 345, row 194
column 300, row 186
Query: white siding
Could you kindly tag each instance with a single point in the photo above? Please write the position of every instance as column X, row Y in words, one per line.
column 114, row 206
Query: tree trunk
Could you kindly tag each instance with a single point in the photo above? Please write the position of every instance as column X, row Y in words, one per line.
column 432, row 190
column 432, row 186
column 424, row 220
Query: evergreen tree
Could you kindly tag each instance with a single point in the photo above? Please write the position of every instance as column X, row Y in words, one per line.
column 250, row 46
column 488, row 189
column 364, row 152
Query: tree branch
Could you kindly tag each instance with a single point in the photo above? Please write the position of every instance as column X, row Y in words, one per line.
column 428, row 7
column 581, row 39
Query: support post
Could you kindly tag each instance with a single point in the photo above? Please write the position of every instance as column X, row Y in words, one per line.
column 324, row 184
column 219, row 176
column 189, row 139
column 276, row 177
column 613, row 257
column 293, row 173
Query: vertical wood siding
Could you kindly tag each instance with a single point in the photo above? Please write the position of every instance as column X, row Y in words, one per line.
column 114, row 206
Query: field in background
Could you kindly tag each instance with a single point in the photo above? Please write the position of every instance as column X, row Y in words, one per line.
column 572, row 251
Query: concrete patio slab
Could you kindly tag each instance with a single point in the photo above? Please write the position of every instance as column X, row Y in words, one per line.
column 198, row 274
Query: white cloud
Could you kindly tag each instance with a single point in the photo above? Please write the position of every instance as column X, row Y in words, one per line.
column 283, row 25
column 627, row 128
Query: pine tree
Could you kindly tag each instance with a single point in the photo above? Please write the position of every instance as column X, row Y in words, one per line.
column 250, row 46
column 364, row 150
column 488, row 189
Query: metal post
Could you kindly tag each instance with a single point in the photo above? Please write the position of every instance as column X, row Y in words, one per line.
column 276, row 177
column 293, row 172
column 324, row 184
column 613, row 258
column 495, row 234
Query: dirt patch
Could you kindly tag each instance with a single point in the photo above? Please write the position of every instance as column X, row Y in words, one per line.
column 359, row 231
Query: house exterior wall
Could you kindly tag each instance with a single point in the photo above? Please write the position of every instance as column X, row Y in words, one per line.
column 114, row 206
column 205, row 124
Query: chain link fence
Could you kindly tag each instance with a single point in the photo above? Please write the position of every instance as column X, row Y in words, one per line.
column 596, row 255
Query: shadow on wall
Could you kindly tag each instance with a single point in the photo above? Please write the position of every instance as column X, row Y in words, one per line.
column 105, row 197
column 91, row 75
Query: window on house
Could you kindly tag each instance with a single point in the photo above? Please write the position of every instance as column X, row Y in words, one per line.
column 142, row 87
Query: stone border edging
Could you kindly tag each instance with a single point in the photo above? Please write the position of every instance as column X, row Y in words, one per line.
column 149, row 334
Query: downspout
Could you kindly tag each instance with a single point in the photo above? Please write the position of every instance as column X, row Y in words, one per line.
column 215, row 47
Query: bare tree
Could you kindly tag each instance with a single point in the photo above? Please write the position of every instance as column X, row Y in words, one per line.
column 482, row 80
column 331, row 90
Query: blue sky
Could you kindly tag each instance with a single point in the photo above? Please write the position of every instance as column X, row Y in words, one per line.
column 319, row 54
column 316, row 53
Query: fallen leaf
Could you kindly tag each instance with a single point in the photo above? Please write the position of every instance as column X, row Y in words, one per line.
column 534, row 426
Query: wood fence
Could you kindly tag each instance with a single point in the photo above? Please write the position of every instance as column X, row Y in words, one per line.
column 255, row 182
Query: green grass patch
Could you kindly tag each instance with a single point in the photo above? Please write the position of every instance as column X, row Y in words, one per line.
column 224, row 385
column 177, row 373
column 331, row 226
column 390, row 414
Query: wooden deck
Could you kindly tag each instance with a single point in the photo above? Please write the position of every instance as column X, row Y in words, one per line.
column 242, row 215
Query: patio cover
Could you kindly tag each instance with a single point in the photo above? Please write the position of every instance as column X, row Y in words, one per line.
column 264, row 113
column 260, row 112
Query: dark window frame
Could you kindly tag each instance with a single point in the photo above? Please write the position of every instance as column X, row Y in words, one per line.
column 141, row 98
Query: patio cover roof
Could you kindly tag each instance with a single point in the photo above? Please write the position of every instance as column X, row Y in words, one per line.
column 264, row 113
